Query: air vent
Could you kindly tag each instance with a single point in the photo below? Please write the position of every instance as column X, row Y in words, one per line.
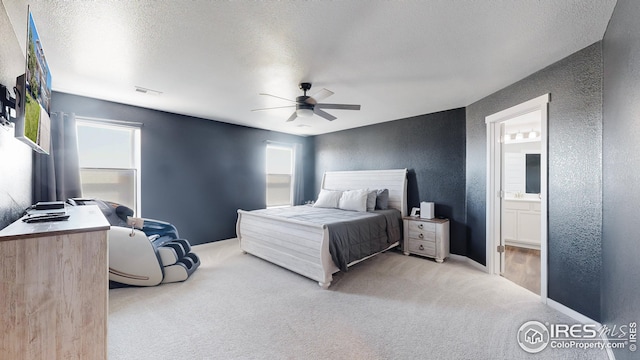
column 147, row 91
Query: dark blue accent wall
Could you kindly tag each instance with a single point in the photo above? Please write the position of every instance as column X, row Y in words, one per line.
column 431, row 146
column 195, row 173
column 574, row 173
column 621, row 169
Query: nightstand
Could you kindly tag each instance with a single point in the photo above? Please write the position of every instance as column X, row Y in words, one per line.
column 426, row 237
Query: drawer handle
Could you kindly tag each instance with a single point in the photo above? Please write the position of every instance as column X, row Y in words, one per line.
column 421, row 247
column 420, row 226
column 421, row 236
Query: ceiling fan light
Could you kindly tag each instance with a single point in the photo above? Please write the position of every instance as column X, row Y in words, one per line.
column 304, row 112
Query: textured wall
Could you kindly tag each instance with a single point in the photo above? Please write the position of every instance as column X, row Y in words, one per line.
column 430, row 146
column 15, row 156
column 575, row 173
column 195, row 173
column 621, row 169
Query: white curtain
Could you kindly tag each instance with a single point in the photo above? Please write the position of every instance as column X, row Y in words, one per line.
column 298, row 175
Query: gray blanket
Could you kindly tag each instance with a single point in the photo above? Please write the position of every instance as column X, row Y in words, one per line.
column 353, row 235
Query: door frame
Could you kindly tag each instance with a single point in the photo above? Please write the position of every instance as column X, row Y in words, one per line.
column 494, row 158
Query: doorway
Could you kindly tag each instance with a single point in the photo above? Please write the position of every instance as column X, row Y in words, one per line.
column 517, row 194
column 520, row 200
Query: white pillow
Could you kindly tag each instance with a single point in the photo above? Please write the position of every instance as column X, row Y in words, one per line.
column 354, row 200
column 328, row 199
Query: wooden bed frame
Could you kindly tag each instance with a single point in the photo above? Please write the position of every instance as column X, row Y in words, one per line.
column 304, row 247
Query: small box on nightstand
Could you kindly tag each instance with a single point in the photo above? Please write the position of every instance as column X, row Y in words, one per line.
column 427, row 210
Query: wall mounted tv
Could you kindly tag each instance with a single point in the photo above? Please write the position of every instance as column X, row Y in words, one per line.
column 33, row 95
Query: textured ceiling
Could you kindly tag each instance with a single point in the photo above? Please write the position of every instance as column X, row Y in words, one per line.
column 210, row 59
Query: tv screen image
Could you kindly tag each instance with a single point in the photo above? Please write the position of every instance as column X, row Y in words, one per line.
column 33, row 125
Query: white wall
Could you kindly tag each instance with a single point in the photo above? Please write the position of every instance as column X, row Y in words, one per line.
column 15, row 156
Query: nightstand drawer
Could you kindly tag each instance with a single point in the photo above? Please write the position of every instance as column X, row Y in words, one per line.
column 422, row 235
column 422, row 231
column 427, row 248
column 419, row 226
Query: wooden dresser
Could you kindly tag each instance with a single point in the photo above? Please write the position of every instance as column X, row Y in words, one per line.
column 54, row 286
column 426, row 237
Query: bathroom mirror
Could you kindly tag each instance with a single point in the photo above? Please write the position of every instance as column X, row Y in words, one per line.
column 532, row 173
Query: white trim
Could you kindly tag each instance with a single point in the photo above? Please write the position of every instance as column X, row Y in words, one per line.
column 493, row 266
column 610, row 353
column 291, row 149
column 109, row 122
column 137, row 159
column 469, row 261
column 281, row 143
column 493, row 185
column 582, row 319
column 517, row 110
column 136, row 144
column 571, row 313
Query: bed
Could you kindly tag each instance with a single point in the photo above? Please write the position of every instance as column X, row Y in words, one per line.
column 299, row 242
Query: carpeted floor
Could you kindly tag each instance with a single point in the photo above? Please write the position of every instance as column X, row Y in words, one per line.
column 237, row 306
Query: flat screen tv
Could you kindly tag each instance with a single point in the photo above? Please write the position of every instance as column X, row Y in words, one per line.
column 33, row 95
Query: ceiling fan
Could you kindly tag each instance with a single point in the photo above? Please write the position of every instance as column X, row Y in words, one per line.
column 308, row 105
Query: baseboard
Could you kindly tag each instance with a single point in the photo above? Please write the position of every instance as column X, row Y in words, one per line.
column 522, row 244
column 473, row 263
column 551, row 303
column 583, row 319
column 571, row 313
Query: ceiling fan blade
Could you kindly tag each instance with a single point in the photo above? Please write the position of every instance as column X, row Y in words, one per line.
column 324, row 114
column 292, row 117
column 338, row 106
column 277, row 97
column 322, row 94
column 277, row 107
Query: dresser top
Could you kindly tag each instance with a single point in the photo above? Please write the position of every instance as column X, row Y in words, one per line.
column 434, row 220
column 81, row 219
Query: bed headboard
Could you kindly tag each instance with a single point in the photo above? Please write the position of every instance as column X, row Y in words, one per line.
column 395, row 180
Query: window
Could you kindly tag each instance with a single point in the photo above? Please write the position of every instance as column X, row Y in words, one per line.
column 279, row 175
column 109, row 157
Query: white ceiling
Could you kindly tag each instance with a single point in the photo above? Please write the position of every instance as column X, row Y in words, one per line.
column 397, row 59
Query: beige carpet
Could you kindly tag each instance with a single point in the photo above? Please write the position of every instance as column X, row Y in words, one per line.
column 236, row 306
